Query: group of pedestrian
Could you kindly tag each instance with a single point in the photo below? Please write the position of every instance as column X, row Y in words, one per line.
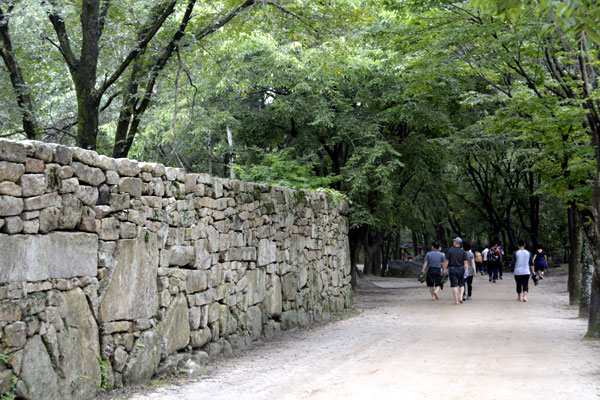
column 460, row 264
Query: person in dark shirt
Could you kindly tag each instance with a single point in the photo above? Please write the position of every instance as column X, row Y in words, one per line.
column 455, row 264
column 540, row 262
column 434, row 260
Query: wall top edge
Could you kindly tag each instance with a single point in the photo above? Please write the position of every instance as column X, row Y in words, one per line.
column 19, row 151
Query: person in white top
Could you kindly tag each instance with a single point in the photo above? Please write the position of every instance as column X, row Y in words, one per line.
column 484, row 253
column 523, row 270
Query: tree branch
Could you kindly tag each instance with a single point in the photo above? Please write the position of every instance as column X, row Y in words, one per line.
column 145, row 36
column 63, row 38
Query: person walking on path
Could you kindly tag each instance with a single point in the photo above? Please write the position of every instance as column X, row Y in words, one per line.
column 540, row 262
column 523, row 270
column 470, row 272
column 434, row 261
column 501, row 263
column 494, row 257
column 478, row 262
column 484, row 254
column 455, row 265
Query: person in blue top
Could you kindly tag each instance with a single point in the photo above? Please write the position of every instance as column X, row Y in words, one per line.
column 501, row 263
column 540, row 262
column 434, row 260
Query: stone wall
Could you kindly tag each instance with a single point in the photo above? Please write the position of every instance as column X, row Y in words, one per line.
column 113, row 271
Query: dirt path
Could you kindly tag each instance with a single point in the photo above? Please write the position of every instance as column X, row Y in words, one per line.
column 405, row 346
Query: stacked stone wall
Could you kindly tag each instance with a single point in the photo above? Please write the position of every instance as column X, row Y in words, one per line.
column 113, row 271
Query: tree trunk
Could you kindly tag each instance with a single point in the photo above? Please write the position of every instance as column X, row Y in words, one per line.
column 587, row 271
column 231, row 153
column 415, row 239
column 594, row 318
column 368, row 265
column 87, row 118
column 20, row 87
column 356, row 237
column 575, row 240
column 376, row 266
column 372, row 253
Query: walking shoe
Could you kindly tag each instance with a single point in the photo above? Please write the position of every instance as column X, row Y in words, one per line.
column 468, row 297
column 541, row 277
column 500, row 277
column 490, row 279
column 494, row 281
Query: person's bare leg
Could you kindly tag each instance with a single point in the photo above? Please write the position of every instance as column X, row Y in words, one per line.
column 519, row 295
column 462, row 292
column 432, row 293
column 455, row 294
column 525, row 296
column 435, row 293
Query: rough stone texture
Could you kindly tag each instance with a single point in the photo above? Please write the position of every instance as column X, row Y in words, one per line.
column 33, row 184
column 10, row 171
column 256, row 286
column 274, row 297
column 127, row 167
column 90, row 175
column 255, row 324
column 55, row 255
column 175, row 326
column 12, row 151
column 44, row 201
column 149, row 263
column 131, row 290
column 10, row 206
column 79, row 347
column 182, row 255
column 37, row 371
column 10, row 189
column 267, row 252
column 12, row 225
column 15, row 335
column 144, row 359
column 133, row 186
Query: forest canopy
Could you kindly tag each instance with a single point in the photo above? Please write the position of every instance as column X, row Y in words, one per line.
column 474, row 118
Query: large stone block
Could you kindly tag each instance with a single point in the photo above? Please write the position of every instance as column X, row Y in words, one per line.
column 79, row 347
column 175, row 326
column 37, row 371
column 256, row 286
column 254, row 322
column 10, row 206
column 10, row 189
column 93, row 176
column 133, row 186
column 33, row 184
column 43, row 201
column 55, row 255
column 144, row 359
column 11, row 171
column 289, row 286
column 267, row 252
column 182, row 255
column 131, row 290
column 274, row 297
column 12, row 151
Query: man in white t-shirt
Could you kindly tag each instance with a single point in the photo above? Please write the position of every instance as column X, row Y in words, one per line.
column 484, row 253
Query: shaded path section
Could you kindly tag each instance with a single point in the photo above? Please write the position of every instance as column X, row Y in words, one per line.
column 403, row 345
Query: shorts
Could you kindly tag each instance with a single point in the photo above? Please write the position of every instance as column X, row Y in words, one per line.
column 434, row 277
column 539, row 268
column 457, row 276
